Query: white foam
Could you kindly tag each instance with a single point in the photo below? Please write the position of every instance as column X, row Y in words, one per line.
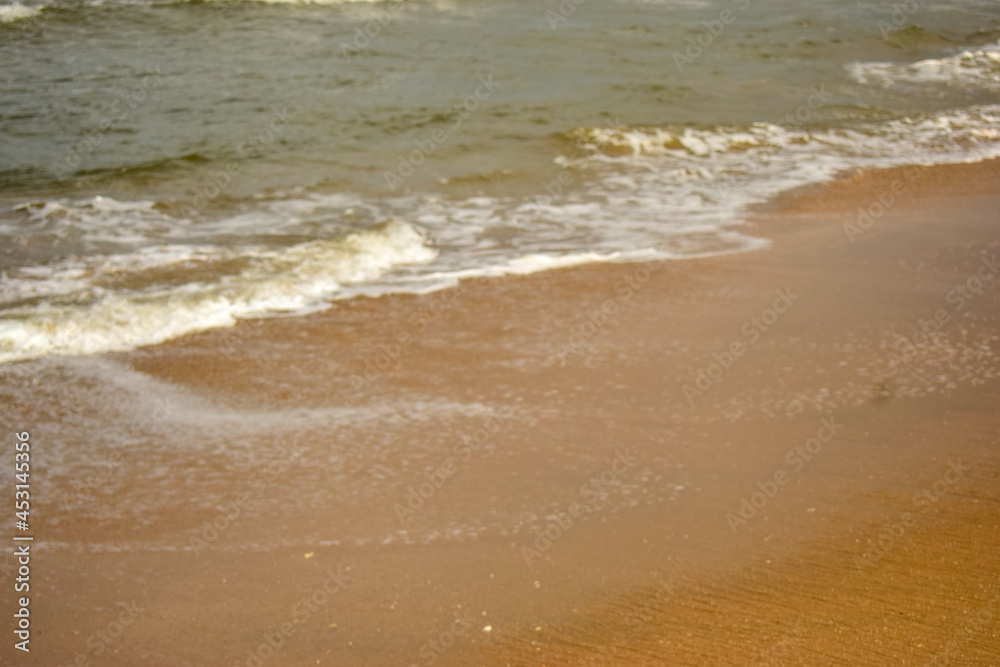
column 667, row 192
column 96, row 220
column 712, row 174
column 537, row 262
column 948, row 133
column 77, row 316
column 17, row 12
column 979, row 67
column 68, row 279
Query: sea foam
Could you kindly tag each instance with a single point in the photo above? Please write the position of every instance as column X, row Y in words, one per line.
column 17, row 12
column 978, row 67
column 119, row 302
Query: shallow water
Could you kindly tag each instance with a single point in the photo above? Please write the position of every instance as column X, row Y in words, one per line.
column 169, row 167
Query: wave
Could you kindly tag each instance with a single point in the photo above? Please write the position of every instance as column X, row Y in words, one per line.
column 637, row 193
column 979, row 67
column 709, row 176
column 689, row 188
column 17, row 12
column 119, row 302
column 944, row 136
column 154, row 290
column 140, row 273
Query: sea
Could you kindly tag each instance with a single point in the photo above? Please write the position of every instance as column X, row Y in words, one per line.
column 168, row 167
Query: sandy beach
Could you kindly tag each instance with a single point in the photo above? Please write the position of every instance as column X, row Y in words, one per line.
column 783, row 457
column 381, row 333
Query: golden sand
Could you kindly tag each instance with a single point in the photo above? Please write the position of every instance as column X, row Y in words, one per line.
column 786, row 457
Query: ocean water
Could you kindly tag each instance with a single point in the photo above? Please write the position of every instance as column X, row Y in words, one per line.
column 168, row 167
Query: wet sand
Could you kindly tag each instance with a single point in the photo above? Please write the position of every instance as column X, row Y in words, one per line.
column 617, row 417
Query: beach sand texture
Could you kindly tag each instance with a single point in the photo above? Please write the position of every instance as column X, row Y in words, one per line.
column 752, row 459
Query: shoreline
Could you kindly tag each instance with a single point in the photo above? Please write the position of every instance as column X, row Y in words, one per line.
column 649, row 568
